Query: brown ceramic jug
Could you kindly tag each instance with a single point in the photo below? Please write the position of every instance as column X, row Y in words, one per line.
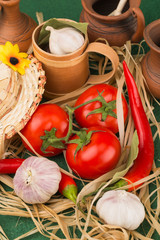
column 68, row 73
column 115, row 29
column 151, row 61
column 15, row 26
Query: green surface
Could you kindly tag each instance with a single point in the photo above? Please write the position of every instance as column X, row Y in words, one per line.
column 71, row 9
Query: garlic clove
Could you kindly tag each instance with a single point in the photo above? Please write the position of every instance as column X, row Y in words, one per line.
column 36, row 180
column 138, row 214
column 64, row 41
column 121, row 208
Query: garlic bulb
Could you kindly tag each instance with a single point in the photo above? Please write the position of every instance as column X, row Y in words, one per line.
column 36, row 180
column 65, row 40
column 121, row 208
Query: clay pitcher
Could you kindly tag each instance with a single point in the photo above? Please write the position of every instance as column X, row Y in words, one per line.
column 15, row 26
column 151, row 61
column 115, row 29
column 69, row 74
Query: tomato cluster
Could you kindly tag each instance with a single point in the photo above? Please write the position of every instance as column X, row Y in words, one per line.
column 90, row 152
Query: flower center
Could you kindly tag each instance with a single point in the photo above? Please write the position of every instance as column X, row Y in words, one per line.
column 14, row 60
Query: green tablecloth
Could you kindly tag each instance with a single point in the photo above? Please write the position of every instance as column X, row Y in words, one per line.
column 71, row 9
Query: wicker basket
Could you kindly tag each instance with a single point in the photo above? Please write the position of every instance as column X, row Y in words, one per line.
column 19, row 97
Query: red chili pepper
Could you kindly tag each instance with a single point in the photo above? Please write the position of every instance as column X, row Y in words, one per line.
column 68, row 187
column 143, row 163
column 8, row 166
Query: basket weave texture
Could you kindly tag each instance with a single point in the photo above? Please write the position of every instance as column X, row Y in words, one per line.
column 19, row 96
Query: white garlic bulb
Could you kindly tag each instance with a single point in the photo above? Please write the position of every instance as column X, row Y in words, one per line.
column 121, row 208
column 36, row 180
column 65, row 40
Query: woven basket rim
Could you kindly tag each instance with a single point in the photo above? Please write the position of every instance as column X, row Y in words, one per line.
column 33, row 101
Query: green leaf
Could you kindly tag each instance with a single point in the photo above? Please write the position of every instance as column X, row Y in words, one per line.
column 132, row 156
column 58, row 24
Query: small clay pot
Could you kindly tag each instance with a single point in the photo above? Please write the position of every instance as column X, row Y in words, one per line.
column 15, row 26
column 70, row 72
column 115, row 29
column 151, row 61
column 64, row 73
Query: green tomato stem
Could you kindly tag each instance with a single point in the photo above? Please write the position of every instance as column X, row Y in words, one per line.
column 70, row 129
column 98, row 98
column 51, row 140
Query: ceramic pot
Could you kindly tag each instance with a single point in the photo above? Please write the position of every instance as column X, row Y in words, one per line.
column 64, row 73
column 115, row 29
column 70, row 72
column 151, row 61
column 15, row 26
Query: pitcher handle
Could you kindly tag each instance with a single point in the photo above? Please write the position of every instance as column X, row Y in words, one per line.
column 138, row 35
column 96, row 47
column 108, row 52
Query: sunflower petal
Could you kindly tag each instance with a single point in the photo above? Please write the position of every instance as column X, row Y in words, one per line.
column 12, row 66
column 8, row 45
column 23, row 55
column 27, row 62
column 16, row 48
column 21, row 70
column 2, row 48
column 3, row 58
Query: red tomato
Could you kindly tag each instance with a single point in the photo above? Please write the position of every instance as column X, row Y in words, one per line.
column 99, row 156
column 109, row 94
column 46, row 117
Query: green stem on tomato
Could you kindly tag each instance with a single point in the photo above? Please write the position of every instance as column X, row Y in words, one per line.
column 106, row 108
column 50, row 139
column 99, row 98
column 70, row 128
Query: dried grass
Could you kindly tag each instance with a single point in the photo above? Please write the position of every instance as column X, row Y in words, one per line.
column 60, row 213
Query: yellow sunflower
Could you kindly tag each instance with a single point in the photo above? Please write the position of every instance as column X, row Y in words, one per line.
column 10, row 55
